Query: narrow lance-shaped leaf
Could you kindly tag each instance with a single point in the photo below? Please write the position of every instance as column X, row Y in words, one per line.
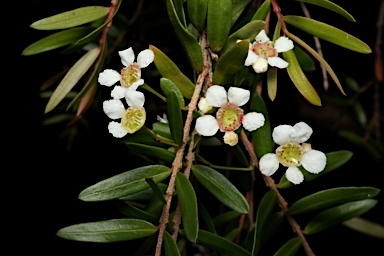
column 197, row 12
column 74, row 74
column 188, row 206
column 157, row 193
column 175, row 118
column 272, row 83
column 167, row 85
column 133, row 212
column 328, row 33
column 338, row 214
column 219, row 20
column 238, row 7
column 262, row 11
column 170, row 246
column 366, row 227
column 151, row 151
column 331, row 197
column 108, row 231
column 221, row 188
column 305, row 61
column 71, row 18
column 289, row 248
column 299, row 79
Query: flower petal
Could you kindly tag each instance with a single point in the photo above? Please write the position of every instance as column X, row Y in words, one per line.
column 206, row 125
column 253, row 121
column 127, row 56
column 283, row 44
column 109, row 77
column 282, row 134
column 294, row 175
column 251, row 58
column 145, row 58
column 302, row 132
column 231, row 138
column 269, row 163
column 238, row 96
column 134, row 99
column 118, row 92
column 216, row 96
column 277, row 62
column 114, row 109
column 262, row 37
column 261, row 65
column 203, row 105
column 116, row 129
column 314, row 161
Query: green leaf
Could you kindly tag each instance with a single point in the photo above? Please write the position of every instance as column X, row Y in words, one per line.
column 366, row 227
column 167, row 85
column 290, row 248
column 71, row 18
column 157, row 193
column 56, row 40
column 170, row 246
column 328, row 33
column 218, row 23
column 262, row 137
column 162, row 129
column 334, row 161
column 221, row 188
column 305, row 61
column 168, row 69
column 188, row 206
column 74, row 74
column 187, row 40
column 197, row 11
column 299, row 79
column 123, row 184
column 272, row 83
column 266, row 206
column 226, row 217
column 270, row 226
column 133, row 212
column 262, row 11
column 151, row 151
column 238, row 7
column 330, row 6
column 331, row 197
column 146, row 194
column 221, row 244
column 175, row 118
column 338, row 214
column 206, row 218
column 108, row 231
column 230, row 62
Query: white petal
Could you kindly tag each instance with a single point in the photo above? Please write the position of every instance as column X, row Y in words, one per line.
column 116, row 130
column 294, row 175
column 203, row 105
column 145, row 58
column 238, row 96
column 216, row 96
column 231, row 138
column 282, row 134
column 253, row 121
column 251, row 58
column 134, row 99
column 314, row 161
column 118, row 92
column 127, row 56
column 261, row 65
column 109, row 77
column 269, row 163
column 114, row 109
column 207, row 125
column 283, row 44
column 302, row 132
column 163, row 119
column 262, row 37
column 277, row 62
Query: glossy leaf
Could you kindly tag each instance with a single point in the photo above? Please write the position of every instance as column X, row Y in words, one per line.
column 168, row 69
column 170, row 246
column 197, row 12
column 179, row 10
column 167, row 85
column 108, row 231
column 262, row 137
column 299, row 79
column 74, row 74
column 221, row 244
column 230, row 62
column 266, row 206
column 123, row 184
column 219, row 18
column 328, row 33
column 188, row 206
column 71, row 18
column 365, row 227
column 272, row 83
column 56, row 40
column 305, row 61
column 187, row 40
column 331, row 197
column 262, row 11
column 290, row 248
column 175, row 118
column 334, row 161
column 338, row 214
column 157, row 193
column 238, row 7
column 132, row 212
column 151, row 151
column 221, row 188
column 162, row 129
column 330, row 6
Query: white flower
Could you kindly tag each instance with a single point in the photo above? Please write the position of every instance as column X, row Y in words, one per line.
column 263, row 52
column 292, row 154
column 131, row 73
column 230, row 116
column 132, row 118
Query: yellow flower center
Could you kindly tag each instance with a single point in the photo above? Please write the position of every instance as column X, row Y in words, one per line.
column 264, row 50
column 229, row 117
column 130, row 75
column 289, row 154
column 133, row 119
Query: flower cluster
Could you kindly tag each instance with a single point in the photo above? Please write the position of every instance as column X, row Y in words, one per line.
column 293, row 152
column 133, row 117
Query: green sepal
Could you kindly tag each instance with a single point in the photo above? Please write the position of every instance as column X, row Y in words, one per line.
column 175, row 118
column 170, row 246
column 152, row 152
column 197, row 12
column 290, row 247
column 167, row 85
column 219, row 18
